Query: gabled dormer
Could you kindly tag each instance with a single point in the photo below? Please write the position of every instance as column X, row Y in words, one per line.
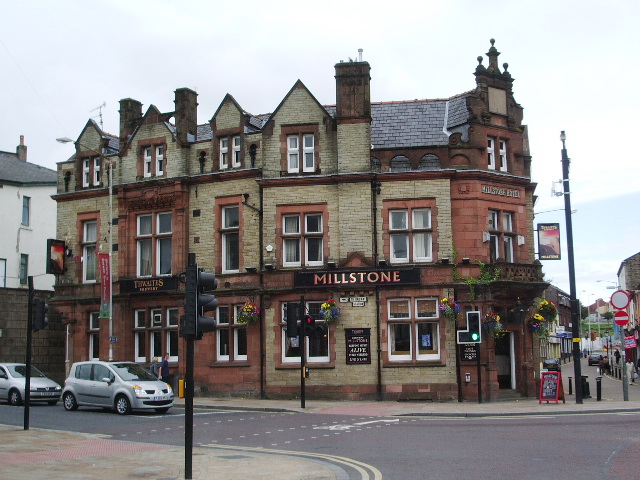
column 93, row 147
column 299, row 137
column 228, row 125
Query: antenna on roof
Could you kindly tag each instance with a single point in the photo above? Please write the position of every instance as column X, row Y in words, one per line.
column 99, row 108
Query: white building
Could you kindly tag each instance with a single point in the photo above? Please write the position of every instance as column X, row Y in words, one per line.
column 28, row 219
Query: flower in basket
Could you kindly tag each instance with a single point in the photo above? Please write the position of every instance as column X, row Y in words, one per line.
column 249, row 313
column 547, row 309
column 539, row 325
column 330, row 311
column 449, row 307
column 493, row 325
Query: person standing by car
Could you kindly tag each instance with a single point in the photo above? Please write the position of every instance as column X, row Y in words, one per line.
column 165, row 374
column 154, row 366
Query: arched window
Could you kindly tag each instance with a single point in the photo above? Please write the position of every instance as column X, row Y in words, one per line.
column 400, row 164
column 429, row 162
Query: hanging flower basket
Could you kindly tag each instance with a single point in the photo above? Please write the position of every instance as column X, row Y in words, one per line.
column 330, row 311
column 547, row 309
column 539, row 325
column 249, row 313
column 493, row 326
column 449, row 308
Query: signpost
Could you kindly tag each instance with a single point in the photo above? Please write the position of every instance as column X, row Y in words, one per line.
column 620, row 299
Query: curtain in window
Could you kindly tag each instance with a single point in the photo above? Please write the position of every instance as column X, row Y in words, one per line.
column 90, row 262
column 422, row 245
column 144, row 258
column 292, row 250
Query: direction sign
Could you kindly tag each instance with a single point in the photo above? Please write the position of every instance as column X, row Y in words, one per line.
column 621, row 318
column 620, row 299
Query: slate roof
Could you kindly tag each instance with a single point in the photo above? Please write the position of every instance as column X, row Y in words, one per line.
column 14, row 171
column 404, row 124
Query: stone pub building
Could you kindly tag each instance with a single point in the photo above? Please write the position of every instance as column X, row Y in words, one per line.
column 384, row 207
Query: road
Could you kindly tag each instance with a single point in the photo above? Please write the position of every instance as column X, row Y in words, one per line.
column 586, row 446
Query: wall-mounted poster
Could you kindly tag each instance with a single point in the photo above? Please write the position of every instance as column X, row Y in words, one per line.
column 549, row 241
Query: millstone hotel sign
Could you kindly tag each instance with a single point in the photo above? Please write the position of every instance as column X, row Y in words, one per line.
column 357, row 278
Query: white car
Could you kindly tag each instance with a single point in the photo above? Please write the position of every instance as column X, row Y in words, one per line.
column 122, row 386
column 12, row 382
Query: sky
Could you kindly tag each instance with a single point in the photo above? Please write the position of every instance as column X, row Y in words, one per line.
column 575, row 65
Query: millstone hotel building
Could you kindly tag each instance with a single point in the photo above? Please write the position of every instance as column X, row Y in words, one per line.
column 384, row 207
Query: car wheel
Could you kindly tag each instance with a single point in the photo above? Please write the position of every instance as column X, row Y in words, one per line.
column 123, row 405
column 162, row 410
column 69, row 402
column 15, row 398
column 52, row 402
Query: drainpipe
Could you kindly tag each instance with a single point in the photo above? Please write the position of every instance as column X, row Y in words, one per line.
column 375, row 190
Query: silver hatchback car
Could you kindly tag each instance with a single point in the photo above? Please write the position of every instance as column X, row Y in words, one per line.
column 122, row 386
column 12, row 383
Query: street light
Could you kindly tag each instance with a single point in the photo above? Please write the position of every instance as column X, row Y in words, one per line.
column 68, row 140
column 575, row 314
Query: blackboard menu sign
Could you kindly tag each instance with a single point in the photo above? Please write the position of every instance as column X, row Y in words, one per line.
column 551, row 389
column 469, row 352
column 358, row 345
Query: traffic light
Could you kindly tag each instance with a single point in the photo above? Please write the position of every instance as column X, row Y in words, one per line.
column 39, row 320
column 207, row 282
column 196, row 303
column 473, row 332
column 291, row 311
column 309, row 326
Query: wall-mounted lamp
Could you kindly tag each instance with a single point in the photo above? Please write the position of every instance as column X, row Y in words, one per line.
column 268, row 266
column 444, row 260
column 251, row 269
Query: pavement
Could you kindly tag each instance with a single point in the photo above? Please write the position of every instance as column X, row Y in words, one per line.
column 25, row 454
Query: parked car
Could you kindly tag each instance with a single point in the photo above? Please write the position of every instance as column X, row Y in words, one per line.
column 594, row 359
column 122, row 386
column 12, row 384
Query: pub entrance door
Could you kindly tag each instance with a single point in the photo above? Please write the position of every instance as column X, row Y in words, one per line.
column 505, row 361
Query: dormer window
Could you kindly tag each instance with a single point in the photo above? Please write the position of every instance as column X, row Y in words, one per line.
column 230, row 149
column 497, row 160
column 153, row 161
column 96, row 171
column 491, row 154
column 236, row 152
column 306, row 153
column 91, row 172
column 224, row 153
column 86, row 172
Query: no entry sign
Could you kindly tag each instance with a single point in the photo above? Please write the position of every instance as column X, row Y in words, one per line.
column 621, row 318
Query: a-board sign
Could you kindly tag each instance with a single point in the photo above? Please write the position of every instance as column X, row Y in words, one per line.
column 358, row 345
column 551, row 389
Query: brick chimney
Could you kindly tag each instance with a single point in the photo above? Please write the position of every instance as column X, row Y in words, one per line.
column 130, row 114
column 186, row 114
column 353, row 95
column 353, row 116
column 21, row 150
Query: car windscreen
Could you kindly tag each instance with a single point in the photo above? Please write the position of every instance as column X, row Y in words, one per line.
column 132, row 371
column 20, row 371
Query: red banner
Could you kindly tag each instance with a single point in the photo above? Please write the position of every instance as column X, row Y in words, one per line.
column 105, row 278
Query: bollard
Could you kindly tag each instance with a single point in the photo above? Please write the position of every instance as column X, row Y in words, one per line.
column 598, row 388
column 586, row 391
column 570, row 386
column 181, row 388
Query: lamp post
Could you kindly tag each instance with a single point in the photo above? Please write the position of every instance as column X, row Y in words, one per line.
column 110, row 250
column 575, row 314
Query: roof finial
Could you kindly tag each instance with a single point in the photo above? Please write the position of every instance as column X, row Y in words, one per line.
column 493, row 54
column 480, row 67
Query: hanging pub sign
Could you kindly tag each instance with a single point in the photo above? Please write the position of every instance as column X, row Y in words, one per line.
column 55, row 256
column 549, row 241
column 357, row 278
